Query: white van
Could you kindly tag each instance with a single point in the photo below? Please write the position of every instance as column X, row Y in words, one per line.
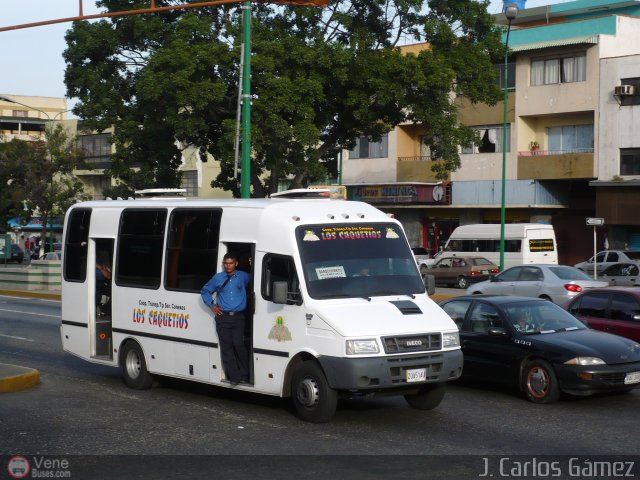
column 317, row 327
column 523, row 243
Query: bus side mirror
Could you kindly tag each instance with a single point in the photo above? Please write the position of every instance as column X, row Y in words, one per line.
column 280, row 292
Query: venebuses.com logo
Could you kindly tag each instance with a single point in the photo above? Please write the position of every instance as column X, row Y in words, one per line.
column 19, row 466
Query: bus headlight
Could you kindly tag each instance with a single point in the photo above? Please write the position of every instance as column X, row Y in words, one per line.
column 450, row 340
column 359, row 347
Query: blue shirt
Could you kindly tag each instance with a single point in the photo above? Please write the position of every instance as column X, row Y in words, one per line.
column 231, row 298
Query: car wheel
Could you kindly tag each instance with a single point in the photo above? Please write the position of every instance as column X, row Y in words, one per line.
column 313, row 399
column 134, row 367
column 463, row 282
column 428, row 398
column 546, row 297
column 423, row 269
column 540, row 383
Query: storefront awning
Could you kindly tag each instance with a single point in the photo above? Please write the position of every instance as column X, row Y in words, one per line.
column 585, row 39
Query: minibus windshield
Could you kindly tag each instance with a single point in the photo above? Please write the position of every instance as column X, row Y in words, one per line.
column 363, row 260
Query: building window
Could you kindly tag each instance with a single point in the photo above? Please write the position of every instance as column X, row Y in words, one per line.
column 630, row 161
column 365, row 148
column 567, row 69
column 97, row 149
column 20, row 113
column 570, row 139
column 490, row 139
column 511, row 75
column 190, row 183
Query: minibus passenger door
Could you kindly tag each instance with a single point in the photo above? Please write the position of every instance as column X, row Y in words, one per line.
column 102, row 326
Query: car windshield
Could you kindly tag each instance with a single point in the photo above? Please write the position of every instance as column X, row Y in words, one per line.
column 530, row 318
column 633, row 255
column 361, row 260
column 569, row 273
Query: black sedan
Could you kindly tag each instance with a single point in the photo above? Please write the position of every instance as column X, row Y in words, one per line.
column 537, row 346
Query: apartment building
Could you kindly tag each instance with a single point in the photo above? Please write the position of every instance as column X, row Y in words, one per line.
column 572, row 148
column 25, row 117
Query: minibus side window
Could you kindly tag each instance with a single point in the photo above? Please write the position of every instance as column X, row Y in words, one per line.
column 192, row 248
column 140, row 242
column 280, row 269
column 75, row 253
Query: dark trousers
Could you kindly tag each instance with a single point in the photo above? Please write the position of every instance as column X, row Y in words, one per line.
column 235, row 358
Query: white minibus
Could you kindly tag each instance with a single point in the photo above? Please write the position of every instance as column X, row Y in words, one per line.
column 317, row 327
column 523, row 243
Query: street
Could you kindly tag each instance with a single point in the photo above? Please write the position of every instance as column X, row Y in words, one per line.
column 85, row 409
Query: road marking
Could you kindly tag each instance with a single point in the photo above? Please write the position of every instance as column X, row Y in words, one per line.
column 30, row 313
column 17, row 338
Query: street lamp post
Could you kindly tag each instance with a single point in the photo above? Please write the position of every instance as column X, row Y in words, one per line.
column 10, row 100
column 511, row 12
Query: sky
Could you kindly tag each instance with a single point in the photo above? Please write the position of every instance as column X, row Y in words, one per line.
column 31, row 61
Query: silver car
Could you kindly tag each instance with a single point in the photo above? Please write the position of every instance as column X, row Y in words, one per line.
column 607, row 258
column 622, row 274
column 558, row 283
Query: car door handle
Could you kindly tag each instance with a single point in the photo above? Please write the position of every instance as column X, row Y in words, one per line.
column 610, row 329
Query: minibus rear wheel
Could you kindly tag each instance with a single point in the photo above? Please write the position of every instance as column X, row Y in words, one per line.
column 428, row 398
column 314, row 400
column 134, row 367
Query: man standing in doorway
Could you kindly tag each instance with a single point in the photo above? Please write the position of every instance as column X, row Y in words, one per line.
column 230, row 288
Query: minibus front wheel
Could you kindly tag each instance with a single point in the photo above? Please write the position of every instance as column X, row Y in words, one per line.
column 314, row 400
column 134, row 367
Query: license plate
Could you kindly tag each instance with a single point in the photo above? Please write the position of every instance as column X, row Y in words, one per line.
column 633, row 377
column 420, row 375
column 485, row 272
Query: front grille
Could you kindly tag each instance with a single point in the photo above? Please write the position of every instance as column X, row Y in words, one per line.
column 413, row 343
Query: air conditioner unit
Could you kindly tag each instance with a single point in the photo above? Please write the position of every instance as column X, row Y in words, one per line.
column 623, row 90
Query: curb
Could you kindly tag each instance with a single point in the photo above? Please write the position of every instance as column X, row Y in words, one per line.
column 31, row 294
column 14, row 378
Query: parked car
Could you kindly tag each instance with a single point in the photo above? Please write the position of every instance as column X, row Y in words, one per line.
column 612, row 309
column 420, row 253
column 462, row 271
column 607, row 258
column 17, row 254
column 539, row 347
column 558, row 283
column 622, row 274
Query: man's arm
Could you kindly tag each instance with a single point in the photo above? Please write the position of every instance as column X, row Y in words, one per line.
column 206, row 293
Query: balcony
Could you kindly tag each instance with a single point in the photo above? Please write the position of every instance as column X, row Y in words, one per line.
column 555, row 164
column 416, row 169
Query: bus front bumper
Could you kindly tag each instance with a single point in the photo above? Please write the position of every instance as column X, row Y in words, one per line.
column 392, row 371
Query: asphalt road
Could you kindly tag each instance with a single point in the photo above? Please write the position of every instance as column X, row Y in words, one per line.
column 85, row 409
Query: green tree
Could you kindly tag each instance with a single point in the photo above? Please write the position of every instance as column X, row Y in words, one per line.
column 41, row 175
column 320, row 79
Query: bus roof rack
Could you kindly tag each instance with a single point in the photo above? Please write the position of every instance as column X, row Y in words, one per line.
column 162, row 193
column 303, row 193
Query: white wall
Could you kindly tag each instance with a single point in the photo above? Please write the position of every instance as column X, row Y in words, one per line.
column 372, row 170
column 618, row 125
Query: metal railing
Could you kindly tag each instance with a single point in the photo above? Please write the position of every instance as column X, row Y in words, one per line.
column 546, row 153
